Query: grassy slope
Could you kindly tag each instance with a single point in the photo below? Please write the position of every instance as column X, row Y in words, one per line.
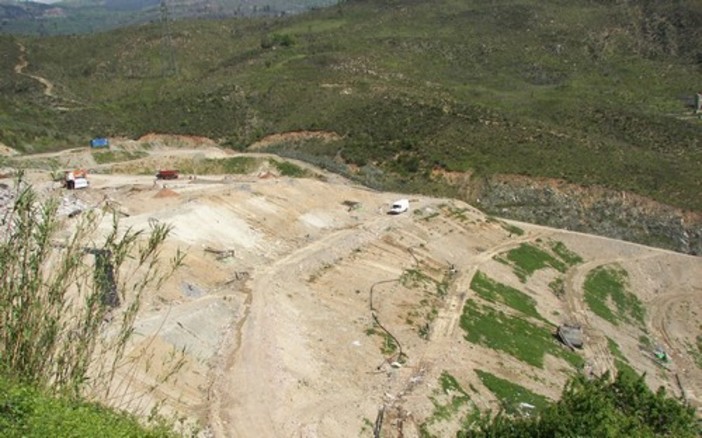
column 28, row 412
column 583, row 91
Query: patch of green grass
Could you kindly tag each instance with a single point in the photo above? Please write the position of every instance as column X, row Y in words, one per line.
column 447, row 403
column 568, row 256
column 26, row 411
column 510, row 394
column 645, row 341
column 388, row 345
column 557, row 286
column 497, row 292
column 236, row 165
column 606, row 285
column 413, row 278
column 458, row 213
column 513, row 335
column 512, row 229
column 116, row 156
column 527, row 259
column 287, row 168
column 696, row 351
column 431, row 216
column 620, row 361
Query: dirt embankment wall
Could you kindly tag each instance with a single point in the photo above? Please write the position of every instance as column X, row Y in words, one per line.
column 592, row 210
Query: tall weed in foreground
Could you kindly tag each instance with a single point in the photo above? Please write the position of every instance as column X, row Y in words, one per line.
column 69, row 299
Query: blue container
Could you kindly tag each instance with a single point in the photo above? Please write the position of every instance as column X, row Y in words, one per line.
column 99, row 143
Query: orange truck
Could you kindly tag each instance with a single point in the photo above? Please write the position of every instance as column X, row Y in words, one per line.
column 76, row 179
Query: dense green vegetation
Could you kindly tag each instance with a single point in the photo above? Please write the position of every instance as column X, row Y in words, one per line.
column 590, row 92
column 517, row 336
column 494, row 291
column 607, row 285
column 527, row 259
column 625, row 407
column 511, row 395
column 28, row 412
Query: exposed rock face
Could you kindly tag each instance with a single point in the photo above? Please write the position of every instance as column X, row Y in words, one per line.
column 595, row 210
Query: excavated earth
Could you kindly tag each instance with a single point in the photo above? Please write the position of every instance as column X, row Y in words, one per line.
column 288, row 281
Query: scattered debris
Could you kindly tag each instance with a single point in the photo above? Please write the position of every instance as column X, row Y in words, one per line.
column 191, row 291
column 351, row 205
column 221, row 254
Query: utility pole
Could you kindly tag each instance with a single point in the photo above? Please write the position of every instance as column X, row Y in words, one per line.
column 168, row 64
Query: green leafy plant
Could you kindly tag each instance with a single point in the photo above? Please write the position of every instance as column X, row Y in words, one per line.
column 598, row 407
column 68, row 304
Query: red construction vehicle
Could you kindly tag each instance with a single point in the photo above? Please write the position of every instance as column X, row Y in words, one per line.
column 167, row 174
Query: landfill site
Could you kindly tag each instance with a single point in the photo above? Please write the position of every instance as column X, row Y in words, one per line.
column 310, row 306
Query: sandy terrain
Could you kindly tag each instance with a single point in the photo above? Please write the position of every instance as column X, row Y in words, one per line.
column 276, row 333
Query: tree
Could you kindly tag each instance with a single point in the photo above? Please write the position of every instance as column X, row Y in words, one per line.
column 625, row 407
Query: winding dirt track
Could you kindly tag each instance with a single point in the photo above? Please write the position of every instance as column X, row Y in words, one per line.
column 447, row 320
column 22, row 63
column 250, row 395
column 596, row 347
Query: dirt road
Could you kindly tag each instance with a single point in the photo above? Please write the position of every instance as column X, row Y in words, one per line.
column 272, row 307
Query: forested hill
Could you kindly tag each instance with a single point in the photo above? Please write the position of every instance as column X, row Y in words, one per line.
column 584, row 92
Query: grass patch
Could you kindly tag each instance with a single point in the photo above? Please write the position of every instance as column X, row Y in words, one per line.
column 696, row 351
column 510, row 394
column 512, row 229
column 513, row 335
column 388, row 345
column 106, row 157
column 496, row 292
column 568, row 256
column 527, row 259
column 26, row 411
column 557, row 286
column 620, row 361
column 289, row 169
column 451, row 399
column 607, row 285
column 434, row 291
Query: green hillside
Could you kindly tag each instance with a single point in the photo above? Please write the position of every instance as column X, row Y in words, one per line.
column 587, row 91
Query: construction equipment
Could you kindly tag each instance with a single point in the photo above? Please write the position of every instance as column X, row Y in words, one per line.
column 167, row 174
column 76, row 179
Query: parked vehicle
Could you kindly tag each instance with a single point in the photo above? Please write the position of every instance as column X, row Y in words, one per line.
column 399, row 206
column 76, row 179
column 167, row 174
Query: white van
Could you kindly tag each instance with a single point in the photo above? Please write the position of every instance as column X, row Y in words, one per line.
column 399, row 206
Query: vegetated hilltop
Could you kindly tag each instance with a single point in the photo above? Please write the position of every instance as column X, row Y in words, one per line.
column 304, row 309
column 86, row 16
column 572, row 114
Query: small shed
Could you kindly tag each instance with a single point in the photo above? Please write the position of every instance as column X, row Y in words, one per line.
column 99, row 142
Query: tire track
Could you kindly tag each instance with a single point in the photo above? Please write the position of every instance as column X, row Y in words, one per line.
column 448, row 317
column 597, row 347
column 249, row 387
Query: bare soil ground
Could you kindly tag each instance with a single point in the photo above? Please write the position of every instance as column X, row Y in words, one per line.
column 273, row 311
